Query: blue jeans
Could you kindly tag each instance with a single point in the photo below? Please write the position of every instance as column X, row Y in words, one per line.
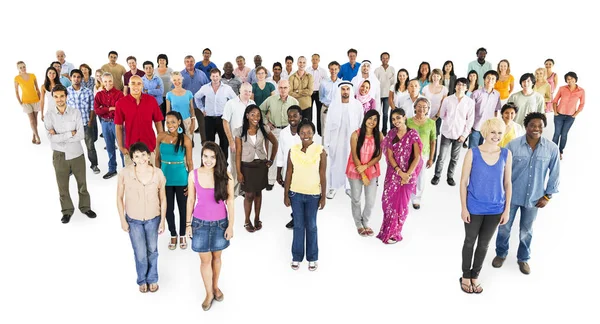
column 528, row 216
column 110, row 137
column 475, row 139
column 144, row 239
column 304, row 209
column 89, row 143
column 385, row 106
column 562, row 125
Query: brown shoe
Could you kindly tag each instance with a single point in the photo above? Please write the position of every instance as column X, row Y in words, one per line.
column 524, row 267
column 498, row 262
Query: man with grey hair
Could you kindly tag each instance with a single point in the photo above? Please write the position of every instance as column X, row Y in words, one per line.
column 105, row 103
column 233, row 117
column 193, row 80
column 66, row 67
column 274, row 110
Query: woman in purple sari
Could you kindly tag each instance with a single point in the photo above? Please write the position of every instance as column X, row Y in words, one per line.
column 402, row 147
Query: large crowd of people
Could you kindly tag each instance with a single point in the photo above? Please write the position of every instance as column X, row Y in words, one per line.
column 256, row 129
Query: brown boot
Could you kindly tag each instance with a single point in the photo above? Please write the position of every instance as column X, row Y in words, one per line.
column 524, row 267
column 498, row 262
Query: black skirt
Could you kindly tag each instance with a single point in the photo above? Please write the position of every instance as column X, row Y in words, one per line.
column 256, row 175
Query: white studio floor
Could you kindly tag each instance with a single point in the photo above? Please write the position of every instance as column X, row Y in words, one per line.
column 84, row 271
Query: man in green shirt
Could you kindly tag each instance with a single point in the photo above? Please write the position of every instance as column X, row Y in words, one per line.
column 274, row 110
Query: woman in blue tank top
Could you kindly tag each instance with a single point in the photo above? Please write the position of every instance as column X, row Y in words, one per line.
column 485, row 193
column 174, row 158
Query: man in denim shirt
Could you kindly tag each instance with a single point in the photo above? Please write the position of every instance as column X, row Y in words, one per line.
column 533, row 157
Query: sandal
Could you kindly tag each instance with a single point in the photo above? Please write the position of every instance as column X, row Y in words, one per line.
column 476, row 288
column 173, row 245
column 248, row 226
column 463, row 285
column 369, row 231
column 391, row 241
column 295, row 265
column 218, row 297
column 143, row 288
column 153, row 287
column 206, row 307
column 258, row 225
column 182, row 243
column 362, row 232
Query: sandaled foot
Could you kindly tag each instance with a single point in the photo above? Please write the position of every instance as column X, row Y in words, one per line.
column 143, row 288
column 173, row 243
column 362, row 232
column 249, row 227
column 476, row 287
column 207, row 304
column 465, row 285
column 219, row 295
column 182, row 243
column 257, row 225
column 153, row 287
column 369, row 231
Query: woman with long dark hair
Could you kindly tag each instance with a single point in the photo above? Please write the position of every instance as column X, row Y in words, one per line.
column 210, row 187
column 398, row 90
column 449, row 79
column 173, row 155
column 363, row 169
column 402, row 148
column 423, row 74
column 51, row 79
column 251, row 149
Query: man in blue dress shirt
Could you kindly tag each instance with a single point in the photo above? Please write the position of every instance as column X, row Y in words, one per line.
column 533, row 158
column 350, row 69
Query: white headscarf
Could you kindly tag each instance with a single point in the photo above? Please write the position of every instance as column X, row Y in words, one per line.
column 337, row 136
column 375, row 91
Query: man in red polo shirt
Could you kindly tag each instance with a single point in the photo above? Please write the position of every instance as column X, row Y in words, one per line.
column 137, row 111
column 104, row 107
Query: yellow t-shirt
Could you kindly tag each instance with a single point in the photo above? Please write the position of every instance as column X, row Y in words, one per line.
column 504, row 87
column 28, row 93
column 306, row 178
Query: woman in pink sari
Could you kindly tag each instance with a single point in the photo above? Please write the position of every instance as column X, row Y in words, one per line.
column 402, row 147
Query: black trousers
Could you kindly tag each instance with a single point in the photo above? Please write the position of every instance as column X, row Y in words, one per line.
column 213, row 125
column 480, row 229
column 307, row 113
column 317, row 102
column 172, row 193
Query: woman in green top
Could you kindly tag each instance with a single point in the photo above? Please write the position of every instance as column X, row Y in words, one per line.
column 174, row 157
column 426, row 129
column 261, row 90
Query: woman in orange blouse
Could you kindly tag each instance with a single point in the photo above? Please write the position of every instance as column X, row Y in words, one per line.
column 566, row 108
column 506, row 82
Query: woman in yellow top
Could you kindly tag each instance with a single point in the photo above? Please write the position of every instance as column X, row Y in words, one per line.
column 305, row 186
column 29, row 99
column 543, row 87
column 513, row 130
column 506, row 82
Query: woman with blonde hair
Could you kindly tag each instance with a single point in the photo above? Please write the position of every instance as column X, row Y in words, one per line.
column 485, row 194
column 98, row 81
column 182, row 101
column 542, row 87
column 29, row 99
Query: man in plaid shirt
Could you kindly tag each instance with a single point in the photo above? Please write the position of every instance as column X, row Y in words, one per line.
column 83, row 99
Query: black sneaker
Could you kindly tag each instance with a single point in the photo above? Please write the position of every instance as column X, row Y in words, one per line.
column 90, row 213
column 290, row 225
column 109, row 175
column 451, row 182
column 95, row 169
column 269, row 187
column 102, row 135
column 435, row 180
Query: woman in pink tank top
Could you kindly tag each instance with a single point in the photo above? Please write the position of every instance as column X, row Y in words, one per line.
column 210, row 187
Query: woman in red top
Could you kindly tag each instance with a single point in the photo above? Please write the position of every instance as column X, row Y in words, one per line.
column 363, row 169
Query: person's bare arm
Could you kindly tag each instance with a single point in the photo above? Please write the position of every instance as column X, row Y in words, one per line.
column 323, row 178
column 189, row 162
column 230, row 207
column 17, row 93
column 464, row 182
column 191, row 200
column 507, row 189
column 157, row 160
column 120, row 203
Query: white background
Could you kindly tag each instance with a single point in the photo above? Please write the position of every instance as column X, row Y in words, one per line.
column 84, row 271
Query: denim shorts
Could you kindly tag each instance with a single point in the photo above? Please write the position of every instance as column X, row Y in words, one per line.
column 209, row 236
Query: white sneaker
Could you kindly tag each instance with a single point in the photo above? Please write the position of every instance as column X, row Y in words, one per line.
column 312, row 265
column 331, row 193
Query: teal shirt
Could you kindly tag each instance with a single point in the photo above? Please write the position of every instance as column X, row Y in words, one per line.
column 176, row 174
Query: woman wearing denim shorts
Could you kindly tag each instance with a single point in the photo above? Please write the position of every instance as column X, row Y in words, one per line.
column 211, row 188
